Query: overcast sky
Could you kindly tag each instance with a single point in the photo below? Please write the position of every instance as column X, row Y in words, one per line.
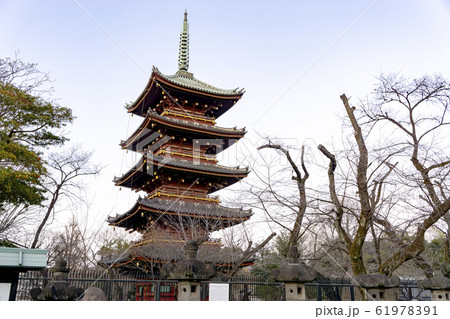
column 294, row 58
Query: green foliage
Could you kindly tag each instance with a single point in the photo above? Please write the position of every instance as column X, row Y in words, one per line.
column 266, row 263
column 20, row 174
column 271, row 257
column 435, row 250
column 281, row 244
column 30, row 119
column 7, row 243
column 114, row 247
column 27, row 123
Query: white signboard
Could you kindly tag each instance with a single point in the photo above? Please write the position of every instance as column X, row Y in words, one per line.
column 219, row 292
column 5, row 288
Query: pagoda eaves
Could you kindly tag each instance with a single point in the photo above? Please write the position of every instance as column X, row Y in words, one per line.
column 183, row 82
column 154, row 123
column 151, row 209
column 139, row 173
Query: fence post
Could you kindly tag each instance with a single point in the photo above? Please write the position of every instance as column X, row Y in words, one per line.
column 108, row 287
column 410, row 295
column 319, row 293
column 158, row 291
column 245, row 292
column 352, row 293
column 338, row 293
column 203, row 293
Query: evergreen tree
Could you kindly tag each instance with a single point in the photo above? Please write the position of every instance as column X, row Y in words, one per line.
column 28, row 124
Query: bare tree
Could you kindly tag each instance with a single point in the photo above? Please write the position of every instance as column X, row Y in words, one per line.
column 299, row 178
column 77, row 243
column 25, row 76
column 249, row 252
column 70, row 244
column 369, row 187
column 12, row 219
column 63, row 182
column 403, row 200
column 417, row 110
column 384, row 190
column 279, row 191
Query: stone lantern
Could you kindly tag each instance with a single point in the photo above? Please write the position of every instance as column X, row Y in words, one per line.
column 439, row 286
column 58, row 288
column 378, row 286
column 294, row 275
column 189, row 272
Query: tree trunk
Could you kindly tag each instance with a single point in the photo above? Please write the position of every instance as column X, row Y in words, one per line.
column 417, row 245
column 46, row 217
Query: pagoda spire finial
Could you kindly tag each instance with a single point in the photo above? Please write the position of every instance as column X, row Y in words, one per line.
column 183, row 54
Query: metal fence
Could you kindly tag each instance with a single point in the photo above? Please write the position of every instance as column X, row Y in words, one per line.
column 408, row 290
column 326, row 291
column 247, row 288
column 344, row 290
column 135, row 286
column 117, row 287
column 249, row 291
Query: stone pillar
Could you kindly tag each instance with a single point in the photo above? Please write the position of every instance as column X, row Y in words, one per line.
column 294, row 275
column 295, row 291
column 439, row 287
column 189, row 272
column 189, row 290
column 381, row 294
column 379, row 287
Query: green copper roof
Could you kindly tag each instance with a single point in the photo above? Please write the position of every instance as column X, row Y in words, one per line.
column 183, row 55
column 187, row 80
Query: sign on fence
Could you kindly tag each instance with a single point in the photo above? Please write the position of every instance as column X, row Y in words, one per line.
column 219, row 292
column 5, row 289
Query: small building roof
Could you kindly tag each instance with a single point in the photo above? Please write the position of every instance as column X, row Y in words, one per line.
column 22, row 258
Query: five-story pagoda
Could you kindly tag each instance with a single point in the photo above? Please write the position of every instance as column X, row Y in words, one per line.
column 178, row 169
